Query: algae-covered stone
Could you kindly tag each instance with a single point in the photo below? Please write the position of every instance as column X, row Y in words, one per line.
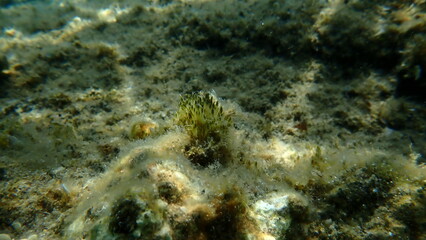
column 272, row 214
column 5, row 237
column 132, row 217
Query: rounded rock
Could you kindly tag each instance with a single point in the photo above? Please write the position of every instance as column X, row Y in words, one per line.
column 4, row 237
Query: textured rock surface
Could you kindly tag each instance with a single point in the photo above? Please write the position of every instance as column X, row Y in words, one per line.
column 323, row 105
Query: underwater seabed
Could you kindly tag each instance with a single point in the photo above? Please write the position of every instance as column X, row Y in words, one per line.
column 212, row 119
column 155, row 192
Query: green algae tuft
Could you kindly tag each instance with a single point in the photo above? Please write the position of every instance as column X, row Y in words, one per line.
column 204, row 120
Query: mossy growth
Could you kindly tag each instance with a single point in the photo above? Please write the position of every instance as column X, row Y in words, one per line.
column 123, row 216
column 203, row 118
column 133, row 218
column 227, row 220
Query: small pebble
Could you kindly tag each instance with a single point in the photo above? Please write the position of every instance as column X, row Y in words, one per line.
column 17, row 226
column 4, row 237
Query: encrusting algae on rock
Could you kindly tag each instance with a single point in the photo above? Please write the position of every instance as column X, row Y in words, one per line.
column 141, row 130
column 155, row 191
column 317, row 130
